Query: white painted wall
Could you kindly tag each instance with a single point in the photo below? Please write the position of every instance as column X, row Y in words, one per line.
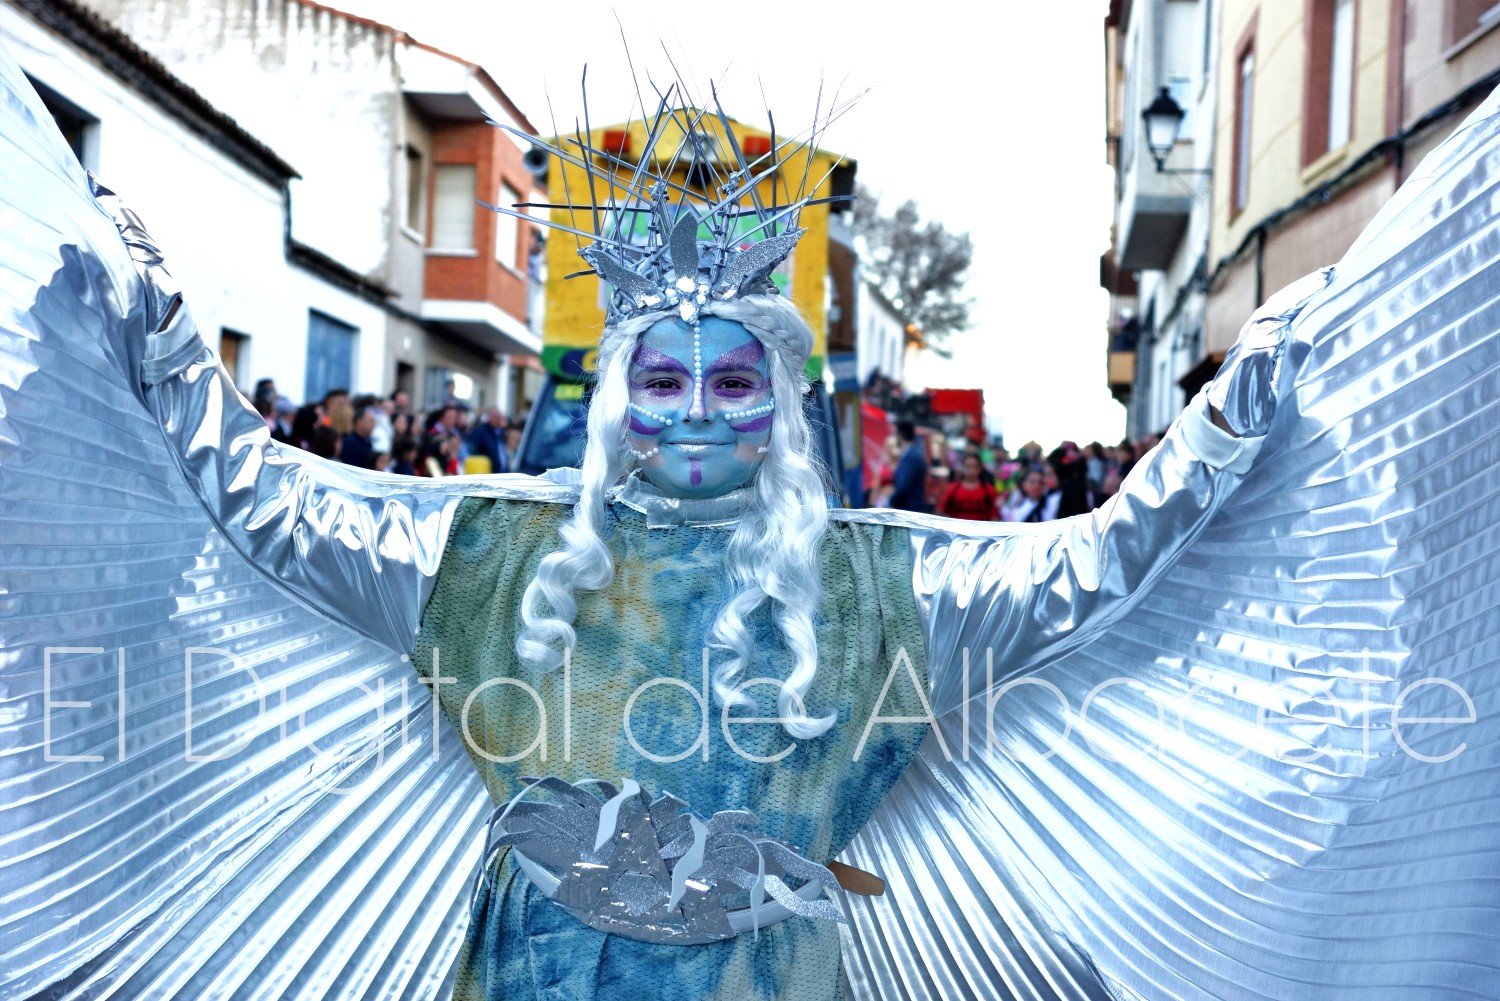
column 219, row 224
column 317, row 88
column 1168, row 43
column 880, row 340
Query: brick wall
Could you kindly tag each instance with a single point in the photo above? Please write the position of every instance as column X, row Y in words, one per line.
column 482, row 277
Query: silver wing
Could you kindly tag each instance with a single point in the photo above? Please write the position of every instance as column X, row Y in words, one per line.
column 327, row 852
column 1227, row 794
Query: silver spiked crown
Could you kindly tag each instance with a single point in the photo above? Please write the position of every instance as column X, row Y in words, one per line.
column 672, row 247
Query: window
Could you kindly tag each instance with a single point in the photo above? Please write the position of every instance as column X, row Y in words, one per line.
column 507, row 228
column 1341, row 84
column 416, row 191
column 444, row 385
column 1178, row 57
column 233, row 352
column 1244, row 92
column 453, row 197
column 1184, row 93
column 1208, row 39
column 1328, row 94
column 330, row 355
column 1463, row 18
column 79, row 128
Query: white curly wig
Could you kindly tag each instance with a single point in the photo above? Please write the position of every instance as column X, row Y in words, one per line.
column 773, row 551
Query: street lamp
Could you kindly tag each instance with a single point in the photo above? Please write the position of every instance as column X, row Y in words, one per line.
column 1163, row 120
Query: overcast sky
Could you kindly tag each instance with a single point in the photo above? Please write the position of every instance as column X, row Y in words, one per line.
column 998, row 131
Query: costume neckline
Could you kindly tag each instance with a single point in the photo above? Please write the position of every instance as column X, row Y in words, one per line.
column 662, row 511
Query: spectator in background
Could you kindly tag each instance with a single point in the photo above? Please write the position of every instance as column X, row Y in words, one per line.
column 488, row 440
column 282, row 424
column 442, row 455
column 356, row 448
column 325, row 442
column 970, row 496
column 266, row 407
column 400, row 404
column 1125, row 458
column 985, row 476
column 513, row 445
column 909, row 489
column 1029, row 502
column 443, row 420
column 337, row 412
column 309, row 417
column 383, row 436
column 1093, row 454
column 440, row 424
column 405, row 456
column 265, row 389
column 885, row 476
column 1072, row 490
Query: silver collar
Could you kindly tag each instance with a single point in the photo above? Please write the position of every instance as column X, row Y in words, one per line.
column 662, row 511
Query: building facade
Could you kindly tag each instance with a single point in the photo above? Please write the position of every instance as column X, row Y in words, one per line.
column 1155, row 270
column 389, row 140
column 213, row 195
column 1305, row 98
column 881, row 339
column 1316, row 113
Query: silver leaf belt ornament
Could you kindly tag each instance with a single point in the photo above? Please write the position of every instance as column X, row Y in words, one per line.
column 651, row 869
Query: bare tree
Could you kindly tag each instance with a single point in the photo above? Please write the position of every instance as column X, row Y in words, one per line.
column 920, row 267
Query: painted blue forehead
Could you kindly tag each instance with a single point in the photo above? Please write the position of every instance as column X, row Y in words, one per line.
column 720, row 345
column 715, row 326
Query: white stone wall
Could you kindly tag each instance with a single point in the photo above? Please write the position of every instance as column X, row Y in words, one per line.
column 881, row 337
column 317, row 88
column 1168, row 43
column 220, row 225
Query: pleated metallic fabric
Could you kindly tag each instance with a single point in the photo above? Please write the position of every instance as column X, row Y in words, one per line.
column 1230, row 794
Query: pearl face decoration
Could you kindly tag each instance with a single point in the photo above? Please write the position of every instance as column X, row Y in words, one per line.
column 651, row 415
column 745, row 415
column 697, row 369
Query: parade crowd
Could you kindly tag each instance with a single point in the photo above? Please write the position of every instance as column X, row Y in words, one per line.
column 923, row 469
column 382, row 433
column 928, row 472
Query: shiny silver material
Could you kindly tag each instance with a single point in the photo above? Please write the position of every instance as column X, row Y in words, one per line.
column 1255, row 358
column 144, row 873
column 996, row 609
column 1225, row 794
column 662, row 511
column 650, row 869
column 360, row 547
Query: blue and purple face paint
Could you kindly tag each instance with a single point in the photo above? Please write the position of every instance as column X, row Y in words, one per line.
column 701, row 408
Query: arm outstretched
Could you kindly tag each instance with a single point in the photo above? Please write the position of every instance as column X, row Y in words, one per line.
column 358, row 546
column 1024, row 596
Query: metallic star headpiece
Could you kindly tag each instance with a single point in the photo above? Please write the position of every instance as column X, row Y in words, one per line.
column 694, row 219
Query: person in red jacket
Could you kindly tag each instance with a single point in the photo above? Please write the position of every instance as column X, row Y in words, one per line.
column 970, row 496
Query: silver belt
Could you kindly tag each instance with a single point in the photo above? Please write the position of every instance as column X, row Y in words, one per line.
column 651, row 869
